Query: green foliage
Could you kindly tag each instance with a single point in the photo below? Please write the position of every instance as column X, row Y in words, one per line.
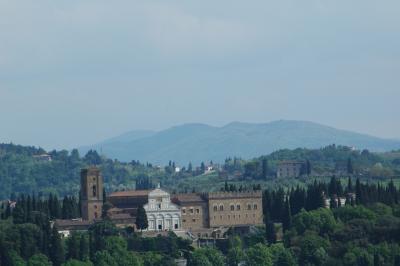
column 13, row 259
column 77, row 263
column 313, row 249
column 348, row 213
column 207, row 256
column 73, row 243
column 282, row 256
column 141, row 218
column 104, row 258
column 321, row 221
column 39, row 260
column 258, row 255
column 56, row 248
column 152, row 259
column 235, row 256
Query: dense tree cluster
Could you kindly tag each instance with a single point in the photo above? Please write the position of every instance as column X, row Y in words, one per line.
column 22, row 172
column 325, row 161
column 363, row 232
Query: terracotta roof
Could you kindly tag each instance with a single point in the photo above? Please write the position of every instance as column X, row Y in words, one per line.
column 71, row 223
column 118, row 216
column 189, row 197
column 130, row 193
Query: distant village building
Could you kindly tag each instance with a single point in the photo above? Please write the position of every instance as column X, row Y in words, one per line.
column 289, row 169
column 339, row 201
column 209, row 169
column 43, row 157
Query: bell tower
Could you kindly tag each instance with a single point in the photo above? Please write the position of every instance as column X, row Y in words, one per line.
column 91, row 193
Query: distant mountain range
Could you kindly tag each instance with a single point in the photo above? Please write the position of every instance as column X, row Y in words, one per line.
column 199, row 142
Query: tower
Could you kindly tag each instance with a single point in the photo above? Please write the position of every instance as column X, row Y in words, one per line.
column 91, row 193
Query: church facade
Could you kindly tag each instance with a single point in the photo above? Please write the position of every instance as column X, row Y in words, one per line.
column 161, row 213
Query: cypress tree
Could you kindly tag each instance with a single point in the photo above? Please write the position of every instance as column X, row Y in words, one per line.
column 141, row 218
column 308, row 167
column 332, row 203
column 264, row 168
column 8, row 211
column 286, row 216
column 83, row 248
column 56, row 248
column 349, row 186
column 359, row 199
column 271, row 233
column 18, row 214
column 56, row 208
column 350, row 169
column 73, row 247
column 65, row 211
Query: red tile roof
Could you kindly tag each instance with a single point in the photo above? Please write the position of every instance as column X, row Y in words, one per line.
column 130, row 193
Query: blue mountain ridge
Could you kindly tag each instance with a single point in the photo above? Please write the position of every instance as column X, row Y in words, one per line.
column 200, row 142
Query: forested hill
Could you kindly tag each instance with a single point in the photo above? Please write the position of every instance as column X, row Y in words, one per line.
column 21, row 170
column 198, row 142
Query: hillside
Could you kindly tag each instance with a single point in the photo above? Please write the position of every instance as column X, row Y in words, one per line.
column 199, row 142
column 21, row 171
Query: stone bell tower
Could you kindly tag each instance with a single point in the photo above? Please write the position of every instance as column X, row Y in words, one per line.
column 91, row 193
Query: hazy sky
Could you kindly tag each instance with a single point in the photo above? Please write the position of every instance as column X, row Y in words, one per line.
column 75, row 72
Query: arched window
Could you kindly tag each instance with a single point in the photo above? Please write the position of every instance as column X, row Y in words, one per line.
column 238, row 207
column 215, row 208
column 94, row 191
column 255, row 206
column 221, row 207
column 249, row 206
column 232, row 207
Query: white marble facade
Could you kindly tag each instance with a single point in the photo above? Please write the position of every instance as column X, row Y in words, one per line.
column 162, row 214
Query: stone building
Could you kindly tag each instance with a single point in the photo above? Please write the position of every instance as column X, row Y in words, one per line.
column 234, row 208
column 289, row 169
column 194, row 210
column 91, row 193
column 129, row 201
column 162, row 214
column 200, row 214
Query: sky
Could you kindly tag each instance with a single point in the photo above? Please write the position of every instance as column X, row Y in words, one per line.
column 75, row 72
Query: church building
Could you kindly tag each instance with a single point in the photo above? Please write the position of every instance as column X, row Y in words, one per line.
column 162, row 214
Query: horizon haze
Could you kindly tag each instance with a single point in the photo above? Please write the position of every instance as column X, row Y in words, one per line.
column 74, row 73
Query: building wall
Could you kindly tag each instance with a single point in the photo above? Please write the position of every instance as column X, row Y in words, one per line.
column 289, row 169
column 91, row 193
column 194, row 215
column 235, row 208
